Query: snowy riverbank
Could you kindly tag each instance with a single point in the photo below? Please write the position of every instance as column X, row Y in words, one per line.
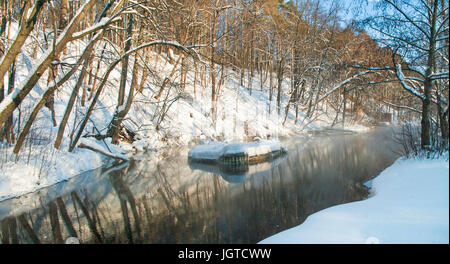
column 46, row 166
column 408, row 204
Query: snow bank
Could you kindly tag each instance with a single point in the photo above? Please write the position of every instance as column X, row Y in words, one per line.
column 214, row 151
column 24, row 177
column 409, row 205
column 47, row 166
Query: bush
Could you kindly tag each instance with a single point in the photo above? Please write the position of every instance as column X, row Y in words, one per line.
column 408, row 136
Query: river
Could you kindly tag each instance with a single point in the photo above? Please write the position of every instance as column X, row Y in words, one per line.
column 158, row 197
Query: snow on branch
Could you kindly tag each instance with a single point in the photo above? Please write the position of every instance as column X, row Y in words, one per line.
column 439, row 75
column 91, row 145
column 172, row 43
column 343, row 83
column 403, row 107
column 442, row 99
column 100, row 25
column 401, row 77
column 13, row 100
column 415, row 79
column 26, row 26
column 385, row 68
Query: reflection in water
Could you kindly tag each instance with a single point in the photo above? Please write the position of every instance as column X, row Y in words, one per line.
column 166, row 200
column 237, row 173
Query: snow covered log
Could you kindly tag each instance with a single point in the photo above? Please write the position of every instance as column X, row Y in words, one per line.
column 87, row 144
column 237, row 153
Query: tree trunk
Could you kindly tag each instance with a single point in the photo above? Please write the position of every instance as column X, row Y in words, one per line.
column 120, row 113
column 211, row 65
column 92, row 91
column 428, row 84
column 26, row 26
column 167, row 80
column 123, row 76
column 7, row 132
column 443, row 120
column 280, row 82
column 144, row 70
column 270, row 86
column 41, row 103
column 8, row 106
column 75, row 90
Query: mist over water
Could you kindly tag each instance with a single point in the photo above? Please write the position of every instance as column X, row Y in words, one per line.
column 160, row 198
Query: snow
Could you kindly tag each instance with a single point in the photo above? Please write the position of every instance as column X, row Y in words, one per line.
column 253, row 148
column 409, row 204
column 215, row 150
column 94, row 145
column 23, row 177
column 47, row 166
column 439, row 75
column 103, row 22
column 401, row 78
column 339, row 85
column 211, row 151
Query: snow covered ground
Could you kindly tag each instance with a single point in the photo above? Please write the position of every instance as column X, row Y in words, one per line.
column 45, row 166
column 409, row 203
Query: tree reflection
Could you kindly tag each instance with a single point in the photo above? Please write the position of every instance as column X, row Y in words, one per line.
column 125, row 195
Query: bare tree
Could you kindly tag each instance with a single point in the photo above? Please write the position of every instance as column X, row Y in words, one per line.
column 13, row 100
column 31, row 14
column 417, row 32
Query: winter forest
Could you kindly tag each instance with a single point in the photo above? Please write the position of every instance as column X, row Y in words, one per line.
column 120, row 89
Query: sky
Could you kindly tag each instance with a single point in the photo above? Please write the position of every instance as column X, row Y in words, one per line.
column 351, row 9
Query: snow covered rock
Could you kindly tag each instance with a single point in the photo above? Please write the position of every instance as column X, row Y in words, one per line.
column 237, row 153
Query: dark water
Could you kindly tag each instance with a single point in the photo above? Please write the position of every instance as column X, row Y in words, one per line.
column 160, row 198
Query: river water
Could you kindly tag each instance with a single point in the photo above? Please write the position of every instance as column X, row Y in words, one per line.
column 161, row 198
